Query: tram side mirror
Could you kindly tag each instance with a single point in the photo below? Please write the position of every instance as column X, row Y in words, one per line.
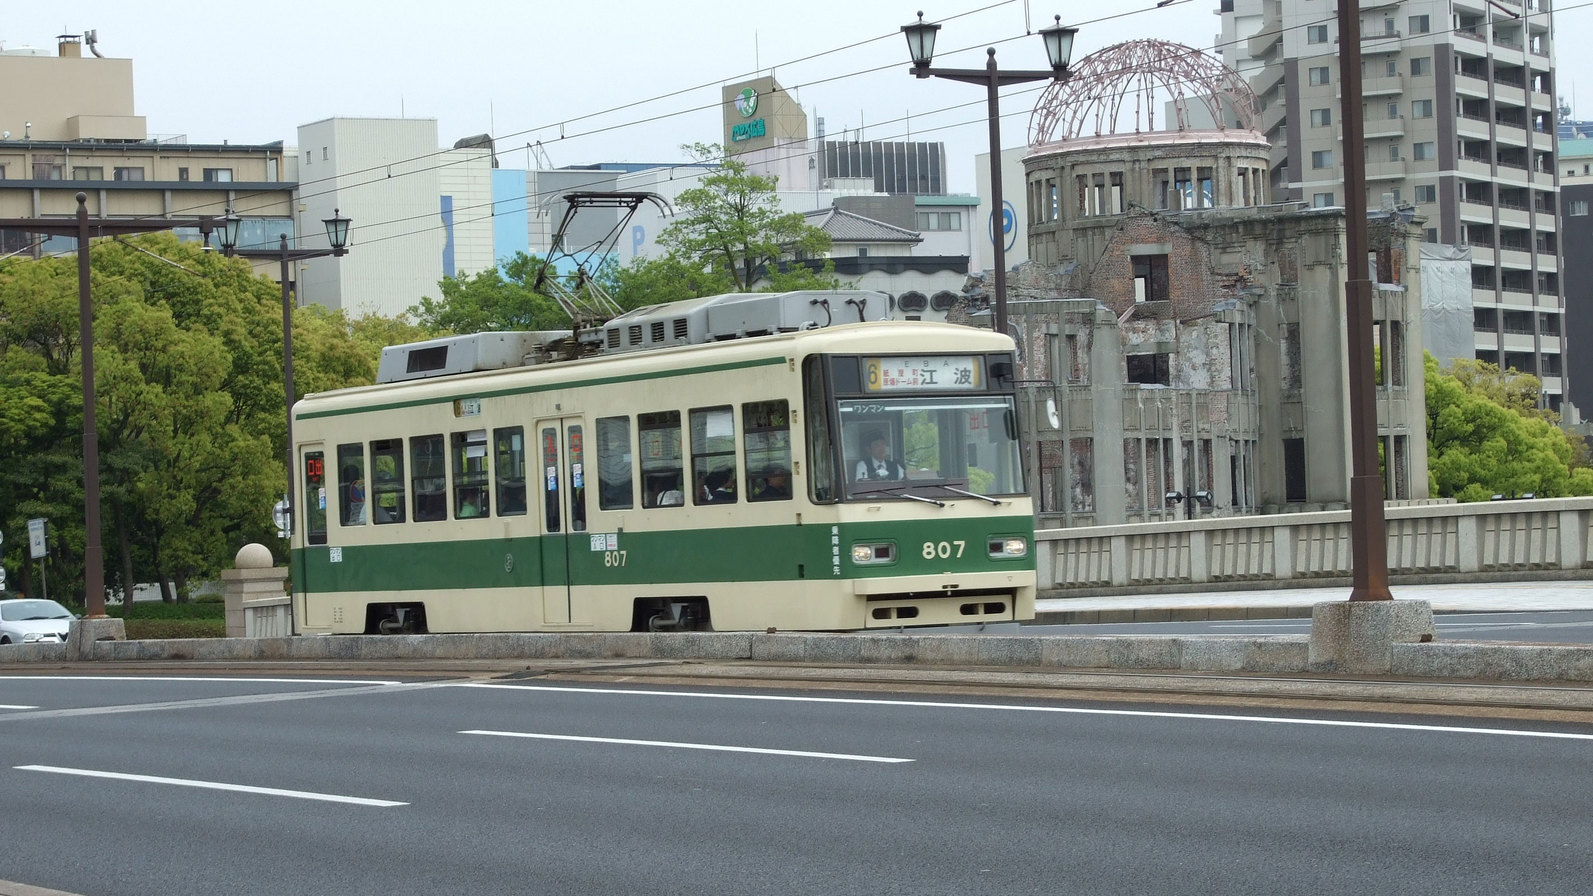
column 1051, row 413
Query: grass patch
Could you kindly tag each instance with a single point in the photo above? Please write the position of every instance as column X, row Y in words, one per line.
column 139, row 629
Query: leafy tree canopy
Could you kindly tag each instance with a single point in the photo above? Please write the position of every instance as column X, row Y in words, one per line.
column 732, row 224
column 1486, row 437
column 492, row 300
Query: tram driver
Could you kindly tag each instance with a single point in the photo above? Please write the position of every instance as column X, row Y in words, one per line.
column 877, row 463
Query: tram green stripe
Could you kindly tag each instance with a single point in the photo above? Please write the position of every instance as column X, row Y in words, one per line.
column 745, row 554
column 558, row 386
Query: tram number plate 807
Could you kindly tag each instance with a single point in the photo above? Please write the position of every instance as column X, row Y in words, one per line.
column 944, row 550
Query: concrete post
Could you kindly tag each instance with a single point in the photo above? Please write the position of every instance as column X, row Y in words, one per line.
column 256, row 602
column 1356, row 636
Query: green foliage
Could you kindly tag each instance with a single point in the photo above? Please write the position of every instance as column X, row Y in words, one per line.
column 190, row 408
column 1486, row 436
column 492, row 300
column 732, row 224
column 669, row 278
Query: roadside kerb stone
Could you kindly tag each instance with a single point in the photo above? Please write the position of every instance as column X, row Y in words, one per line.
column 1281, row 654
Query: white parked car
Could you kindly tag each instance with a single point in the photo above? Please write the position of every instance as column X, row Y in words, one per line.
column 29, row 621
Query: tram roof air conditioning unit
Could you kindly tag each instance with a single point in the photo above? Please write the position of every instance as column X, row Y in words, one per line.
column 737, row 316
column 453, row 355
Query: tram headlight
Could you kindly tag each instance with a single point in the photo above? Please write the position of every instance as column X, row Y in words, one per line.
column 874, row 553
column 1015, row 546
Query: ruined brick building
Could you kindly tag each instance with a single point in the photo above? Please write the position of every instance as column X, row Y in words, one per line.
column 1183, row 338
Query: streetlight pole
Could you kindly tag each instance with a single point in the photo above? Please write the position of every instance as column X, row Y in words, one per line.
column 85, row 228
column 1368, row 528
column 337, row 234
column 1059, row 48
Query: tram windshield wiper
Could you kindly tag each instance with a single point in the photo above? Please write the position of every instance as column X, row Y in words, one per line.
column 953, row 488
column 896, row 491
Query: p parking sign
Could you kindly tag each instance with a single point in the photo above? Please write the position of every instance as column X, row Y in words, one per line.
column 36, row 543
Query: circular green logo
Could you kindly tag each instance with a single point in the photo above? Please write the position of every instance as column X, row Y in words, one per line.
column 747, row 102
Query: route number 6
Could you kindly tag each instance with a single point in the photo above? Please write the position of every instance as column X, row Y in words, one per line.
column 943, row 549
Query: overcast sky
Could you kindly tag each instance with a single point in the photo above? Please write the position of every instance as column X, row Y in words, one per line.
column 603, row 80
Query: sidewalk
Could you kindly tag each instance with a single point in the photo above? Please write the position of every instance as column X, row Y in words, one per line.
column 1285, row 603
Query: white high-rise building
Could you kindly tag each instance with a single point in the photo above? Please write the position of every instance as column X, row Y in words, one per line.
column 1459, row 111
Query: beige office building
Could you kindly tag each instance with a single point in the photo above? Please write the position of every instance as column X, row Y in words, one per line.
column 75, row 130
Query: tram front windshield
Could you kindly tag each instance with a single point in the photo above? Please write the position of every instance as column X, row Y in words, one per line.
column 943, row 448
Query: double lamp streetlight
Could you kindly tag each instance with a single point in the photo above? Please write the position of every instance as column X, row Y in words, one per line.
column 337, row 235
column 1059, row 49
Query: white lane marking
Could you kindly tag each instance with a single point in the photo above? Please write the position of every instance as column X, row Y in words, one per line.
column 16, row 706
column 684, row 746
column 210, row 785
column 1065, row 710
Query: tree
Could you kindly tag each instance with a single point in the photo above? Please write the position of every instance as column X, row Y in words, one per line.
column 188, row 364
column 732, row 224
column 493, row 299
column 1485, row 436
column 654, row 281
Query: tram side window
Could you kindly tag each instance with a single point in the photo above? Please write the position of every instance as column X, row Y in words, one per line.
column 713, row 456
column 470, row 474
column 351, row 484
column 313, row 506
column 661, row 462
column 615, row 488
column 821, row 453
column 428, row 478
column 387, row 481
column 510, row 471
column 768, row 449
column 576, row 457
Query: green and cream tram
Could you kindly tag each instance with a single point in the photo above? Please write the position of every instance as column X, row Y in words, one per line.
column 734, row 463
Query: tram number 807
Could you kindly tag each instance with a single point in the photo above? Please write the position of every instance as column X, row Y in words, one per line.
column 945, row 550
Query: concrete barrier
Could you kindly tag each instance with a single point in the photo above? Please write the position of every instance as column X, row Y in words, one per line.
column 1276, row 655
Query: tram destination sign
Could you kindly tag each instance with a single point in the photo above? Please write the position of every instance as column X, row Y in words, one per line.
column 950, row 373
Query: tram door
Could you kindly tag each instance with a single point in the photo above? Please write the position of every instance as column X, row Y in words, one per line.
column 563, row 454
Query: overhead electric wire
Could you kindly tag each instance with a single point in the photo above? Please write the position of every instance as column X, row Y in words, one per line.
column 535, row 200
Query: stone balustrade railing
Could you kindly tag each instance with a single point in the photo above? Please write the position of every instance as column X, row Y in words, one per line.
column 1497, row 538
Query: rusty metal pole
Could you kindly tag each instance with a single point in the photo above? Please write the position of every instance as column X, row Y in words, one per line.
column 93, row 551
column 998, row 211
column 287, row 378
column 1368, row 529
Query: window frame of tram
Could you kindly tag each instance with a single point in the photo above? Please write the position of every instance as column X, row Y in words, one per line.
column 428, row 475
column 713, row 454
column 351, row 475
column 313, row 508
column 766, row 441
column 509, row 471
column 616, row 481
column 661, row 460
column 385, row 495
column 471, row 474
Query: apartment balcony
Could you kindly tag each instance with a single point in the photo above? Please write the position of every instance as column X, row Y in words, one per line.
column 1519, row 259
column 1483, row 295
column 1548, row 262
column 1510, row 134
column 1273, row 115
column 1472, row 166
column 1552, row 385
column 1386, row 170
column 1388, row 85
column 1482, row 253
column 1514, row 216
column 1383, row 128
column 1381, row 41
column 1542, row 102
column 1476, row 212
column 1520, row 342
column 1473, row 127
column 1509, row 94
column 1471, row 87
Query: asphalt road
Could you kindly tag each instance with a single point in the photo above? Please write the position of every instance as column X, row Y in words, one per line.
column 176, row 786
column 1538, row 627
